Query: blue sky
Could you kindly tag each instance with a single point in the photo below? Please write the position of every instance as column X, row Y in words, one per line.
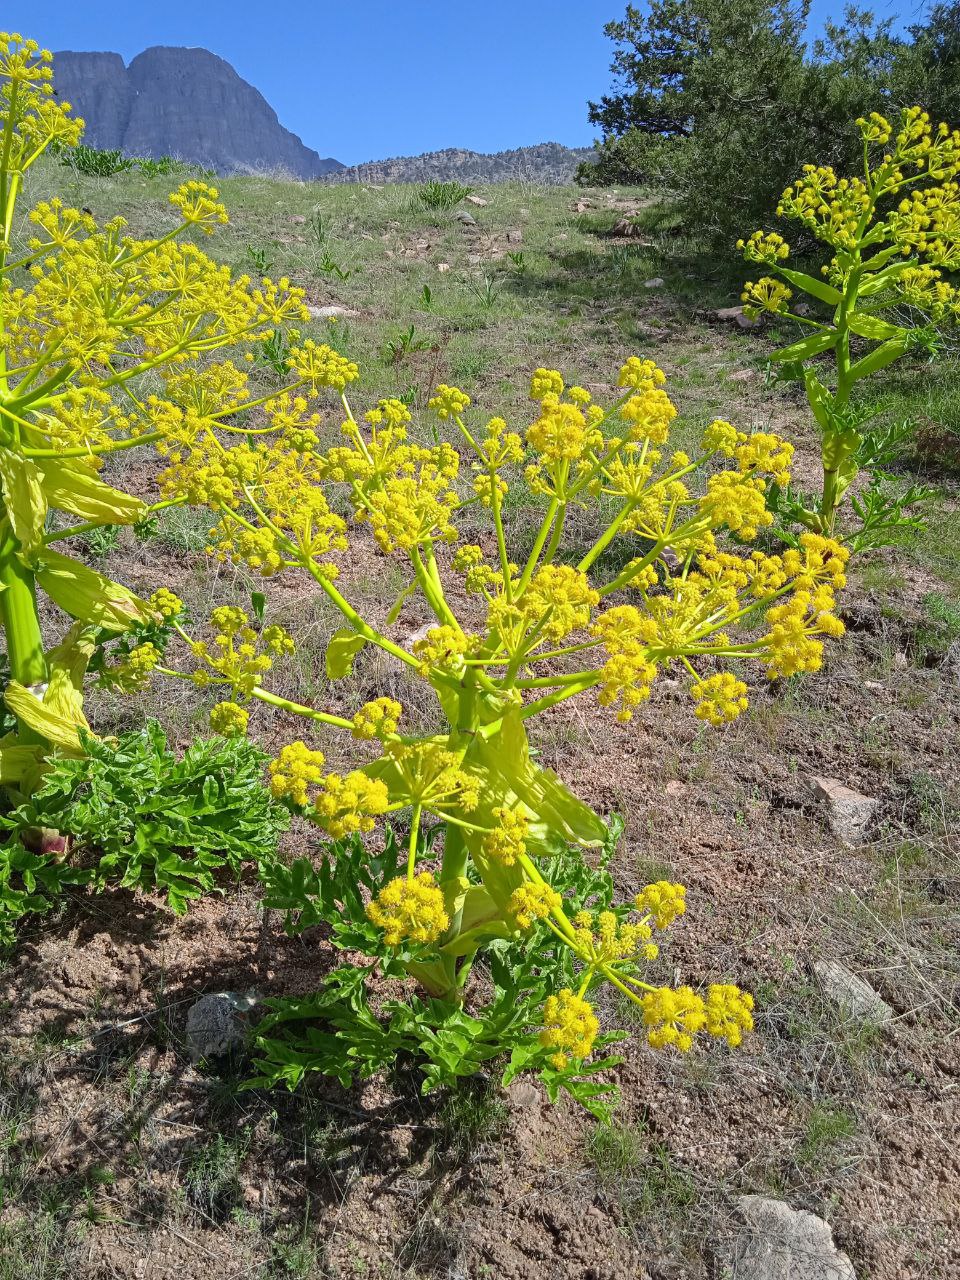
column 363, row 79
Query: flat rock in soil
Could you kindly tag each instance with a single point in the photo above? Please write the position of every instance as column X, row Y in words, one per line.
column 854, row 996
column 848, row 812
column 775, row 1242
column 217, row 1025
column 332, row 313
column 734, row 316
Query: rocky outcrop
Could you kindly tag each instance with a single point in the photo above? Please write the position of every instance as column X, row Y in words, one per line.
column 548, row 163
column 186, row 103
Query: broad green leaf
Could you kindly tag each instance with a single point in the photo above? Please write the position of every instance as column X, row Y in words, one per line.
column 807, row 347
column 821, row 401
column 25, row 503
column 880, row 358
column 883, row 279
column 875, row 328
column 343, row 648
column 71, row 489
column 810, row 284
column 88, row 596
column 17, row 762
column 67, row 665
column 58, row 729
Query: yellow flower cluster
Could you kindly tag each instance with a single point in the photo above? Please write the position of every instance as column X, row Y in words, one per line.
column 166, row 603
column 295, row 770
column 545, row 382
column 532, row 901
column 199, row 206
column 349, row 803
column 720, row 698
column 321, row 366
column 410, row 910
column 629, row 673
column 570, row 1027
column 506, row 842
column 765, row 247
column 377, row 719
column 662, row 901
column 737, row 501
column 562, row 433
column 765, row 294
column 604, row 940
column 132, row 673
column 239, row 656
column 674, row 1017
column 448, row 402
column 443, row 648
column 431, row 776
column 229, row 719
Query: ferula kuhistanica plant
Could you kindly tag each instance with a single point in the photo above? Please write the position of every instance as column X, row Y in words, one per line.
column 893, row 233
column 114, row 345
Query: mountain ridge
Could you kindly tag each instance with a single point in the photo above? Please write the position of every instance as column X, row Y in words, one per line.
column 546, row 162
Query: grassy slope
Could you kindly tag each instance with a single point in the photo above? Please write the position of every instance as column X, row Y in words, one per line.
column 579, row 301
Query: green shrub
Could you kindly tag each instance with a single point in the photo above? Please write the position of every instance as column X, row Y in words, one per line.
column 95, row 163
column 139, row 817
column 442, row 195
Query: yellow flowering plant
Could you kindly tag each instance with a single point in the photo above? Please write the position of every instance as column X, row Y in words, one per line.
column 893, row 233
column 115, row 345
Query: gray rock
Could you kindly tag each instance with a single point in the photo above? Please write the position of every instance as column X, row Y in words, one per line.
column 186, row 103
column 478, row 201
column 514, row 235
column 734, row 316
column 775, row 1242
column 655, row 283
column 851, row 994
column 849, row 812
column 467, row 219
column 217, row 1024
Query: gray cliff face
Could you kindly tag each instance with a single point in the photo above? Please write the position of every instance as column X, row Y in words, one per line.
column 97, row 87
column 186, row 103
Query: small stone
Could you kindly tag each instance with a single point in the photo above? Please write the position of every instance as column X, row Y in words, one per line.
column 580, row 206
column 849, row 812
column 901, row 661
column 775, row 1242
column 443, row 267
column 655, row 283
column 855, row 997
column 522, row 1095
column 467, row 219
column 478, row 201
column 298, row 219
column 742, row 375
column 217, row 1024
column 514, row 235
column 735, row 316
column 332, row 313
column 874, row 686
column 674, row 788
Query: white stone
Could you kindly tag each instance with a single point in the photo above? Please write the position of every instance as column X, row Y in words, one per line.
column 775, row 1242
column 217, row 1024
column 332, row 313
column 850, row 993
column 849, row 812
column 477, row 200
column 655, row 283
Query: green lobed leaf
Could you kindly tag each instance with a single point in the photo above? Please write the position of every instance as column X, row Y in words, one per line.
column 344, row 646
column 879, row 358
column 815, row 345
column 810, row 284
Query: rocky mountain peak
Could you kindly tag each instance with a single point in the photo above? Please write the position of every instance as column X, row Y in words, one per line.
column 187, row 103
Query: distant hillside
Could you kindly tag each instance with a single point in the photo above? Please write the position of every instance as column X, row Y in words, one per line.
column 186, row 103
column 548, row 163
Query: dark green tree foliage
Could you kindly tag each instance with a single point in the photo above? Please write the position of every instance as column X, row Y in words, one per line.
column 722, row 104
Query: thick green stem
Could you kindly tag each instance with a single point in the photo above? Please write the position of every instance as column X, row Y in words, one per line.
column 21, row 622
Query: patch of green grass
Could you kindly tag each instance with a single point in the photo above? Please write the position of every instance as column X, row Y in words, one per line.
column 826, row 1128
column 473, row 1114
column 615, row 1151
column 210, row 1176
